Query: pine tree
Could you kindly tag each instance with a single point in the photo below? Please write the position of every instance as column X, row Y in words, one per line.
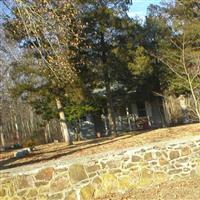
column 105, row 23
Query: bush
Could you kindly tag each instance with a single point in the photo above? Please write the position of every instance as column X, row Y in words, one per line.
column 29, row 143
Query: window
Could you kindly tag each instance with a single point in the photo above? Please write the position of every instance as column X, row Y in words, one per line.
column 141, row 109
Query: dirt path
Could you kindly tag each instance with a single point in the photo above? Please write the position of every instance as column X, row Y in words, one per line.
column 52, row 151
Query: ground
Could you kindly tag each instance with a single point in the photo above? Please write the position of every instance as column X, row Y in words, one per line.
column 52, row 151
column 185, row 189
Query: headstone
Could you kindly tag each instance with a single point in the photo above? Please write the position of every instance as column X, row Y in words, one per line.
column 22, row 153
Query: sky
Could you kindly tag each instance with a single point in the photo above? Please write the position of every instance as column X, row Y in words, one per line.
column 139, row 7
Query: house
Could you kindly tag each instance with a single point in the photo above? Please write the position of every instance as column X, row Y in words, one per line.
column 132, row 112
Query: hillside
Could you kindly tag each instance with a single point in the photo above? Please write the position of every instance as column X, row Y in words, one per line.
column 46, row 152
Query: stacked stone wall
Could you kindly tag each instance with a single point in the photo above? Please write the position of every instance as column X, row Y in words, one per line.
column 95, row 176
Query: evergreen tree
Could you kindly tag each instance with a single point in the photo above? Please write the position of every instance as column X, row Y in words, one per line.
column 105, row 23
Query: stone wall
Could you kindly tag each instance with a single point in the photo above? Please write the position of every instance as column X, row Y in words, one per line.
column 94, row 176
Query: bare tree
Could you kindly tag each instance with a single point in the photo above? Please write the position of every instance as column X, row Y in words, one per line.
column 180, row 51
column 51, row 30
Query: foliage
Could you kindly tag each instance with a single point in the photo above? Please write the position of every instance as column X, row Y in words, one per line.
column 75, row 112
column 49, row 32
column 181, row 52
column 105, row 24
column 141, row 63
column 72, row 48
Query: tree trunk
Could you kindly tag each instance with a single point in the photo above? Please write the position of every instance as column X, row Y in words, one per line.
column 111, row 113
column 1, row 133
column 196, row 103
column 16, row 130
column 128, row 119
column 28, row 128
column 63, row 124
column 2, row 136
column 31, row 120
column 47, row 133
column 24, row 133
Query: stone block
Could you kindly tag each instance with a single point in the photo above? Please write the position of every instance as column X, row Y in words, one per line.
column 87, row 192
column 146, row 174
column 126, row 158
column 41, row 183
column 103, row 165
column 125, row 183
column 32, row 193
column 183, row 160
column 45, row 174
column 148, row 156
column 71, row 195
column 146, row 178
column 113, row 164
column 163, row 161
column 24, row 181
column 134, row 174
column 135, row 169
column 93, row 168
column 154, row 163
column 59, row 184
column 136, row 159
column 178, row 165
column 92, row 174
column 77, row 173
column 97, row 181
column 44, row 189
column 129, row 165
column 115, row 171
column 185, row 151
column 159, row 177
column 175, row 171
column 22, row 193
column 109, row 183
column 174, row 155
column 158, row 154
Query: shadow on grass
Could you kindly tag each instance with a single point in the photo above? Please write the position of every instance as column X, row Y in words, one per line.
column 68, row 150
